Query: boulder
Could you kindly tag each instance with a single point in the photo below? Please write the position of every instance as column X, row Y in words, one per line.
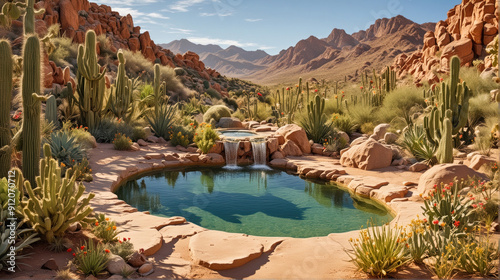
column 345, row 136
column 313, row 174
column 68, row 16
column 117, row 264
column 291, row 149
column 272, row 145
column 445, row 173
column 317, row 149
column 263, row 128
column 146, row 269
column 142, row 142
column 479, row 160
column 417, row 167
column 217, row 148
column 296, row 134
column 137, row 259
column 229, row 122
column 380, row 130
column 461, row 48
column 368, row 155
column 215, row 159
column 280, row 163
column 277, row 155
column 389, row 192
column 390, row 138
column 358, row 141
column 50, row 265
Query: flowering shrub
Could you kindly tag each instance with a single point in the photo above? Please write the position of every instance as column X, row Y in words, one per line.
column 417, row 240
column 122, row 142
column 105, row 229
column 182, row 135
column 205, row 137
column 90, row 258
column 123, row 248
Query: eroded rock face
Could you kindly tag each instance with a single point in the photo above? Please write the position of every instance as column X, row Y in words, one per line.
column 297, row 135
column 368, row 155
column 445, row 173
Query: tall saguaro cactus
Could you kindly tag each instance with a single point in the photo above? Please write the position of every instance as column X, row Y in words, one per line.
column 6, row 67
column 453, row 105
column 121, row 92
column 91, row 82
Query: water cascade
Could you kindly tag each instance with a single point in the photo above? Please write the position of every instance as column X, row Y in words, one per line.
column 231, row 149
column 259, row 152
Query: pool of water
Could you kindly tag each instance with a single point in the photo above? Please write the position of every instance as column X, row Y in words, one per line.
column 237, row 133
column 252, row 201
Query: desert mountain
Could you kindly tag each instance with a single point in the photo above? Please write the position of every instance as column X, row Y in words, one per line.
column 467, row 30
column 337, row 56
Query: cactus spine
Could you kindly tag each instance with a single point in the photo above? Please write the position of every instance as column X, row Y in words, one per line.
column 91, row 83
column 453, row 104
column 6, row 67
column 51, row 110
column 55, row 203
column 121, row 92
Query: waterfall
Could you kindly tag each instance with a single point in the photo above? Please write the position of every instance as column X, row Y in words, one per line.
column 259, row 152
column 231, row 149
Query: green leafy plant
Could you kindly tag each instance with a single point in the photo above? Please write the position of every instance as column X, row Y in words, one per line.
column 122, row 142
column 415, row 141
column 161, row 122
column 334, row 142
column 105, row 131
column 380, row 250
column 444, row 264
column 205, row 137
column 316, row 124
column 65, row 148
column 105, row 229
column 478, row 256
column 216, row 113
column 90, row 258
column 343, row 123
column 60, row 244
column 124, row 248
column 417, row 240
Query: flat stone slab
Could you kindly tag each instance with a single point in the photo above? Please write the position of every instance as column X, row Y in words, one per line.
column 219, row 250
column 142, row 220
column 150, row 240
column 181, row 231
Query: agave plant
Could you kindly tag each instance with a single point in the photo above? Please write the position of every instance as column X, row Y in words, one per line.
column 65, row 148
column 415, row 141
column 161, row 122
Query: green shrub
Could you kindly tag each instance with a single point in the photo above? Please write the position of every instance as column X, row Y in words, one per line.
column 361, row 114
column 138, row 133
column 316, row 124
column 399, row 102
column 182, row 135
column 415, row 141
column 66, row 149
column 162, row 123
column 334, row 142
column 122, row 142
column 124, row 248
column 367, row 128
column 216, row 113
column 81, row 134
column 108, row 127
column 477, row 84
column 65, row 52
column 481, row 108
column 380, row 250
column 479, row 256
column 91, row 258
column 343, row 123
column 205, row 137
column 417, row 240
column 105, row 229
column 213, row 93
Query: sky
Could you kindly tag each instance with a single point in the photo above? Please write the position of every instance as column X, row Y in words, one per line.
column 270, row 25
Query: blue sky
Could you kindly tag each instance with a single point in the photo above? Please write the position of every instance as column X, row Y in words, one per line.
column 270, row 25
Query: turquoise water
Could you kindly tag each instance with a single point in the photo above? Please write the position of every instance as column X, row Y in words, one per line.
column 255, row 202
column 237, row 133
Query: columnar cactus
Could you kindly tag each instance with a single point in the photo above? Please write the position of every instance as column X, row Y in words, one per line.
column 158, row 88
column 56, row 202
column 6, row 67
column 315, row 125
column 288, row 102
column 31, row 88
column 453, row 104
column 91, row 83
column 121, row 92
column 51, row 110
column 390, row 79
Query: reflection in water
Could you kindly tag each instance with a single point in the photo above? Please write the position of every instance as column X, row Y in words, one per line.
column 252, row 201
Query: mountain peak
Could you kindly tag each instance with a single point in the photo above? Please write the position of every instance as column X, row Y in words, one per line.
column 338, row 39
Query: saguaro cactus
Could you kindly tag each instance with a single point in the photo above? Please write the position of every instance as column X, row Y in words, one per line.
column 6, row 67
column 158, row 88
column 121, row 92
column 51, row 110
column 91, row 83
column 288, row 102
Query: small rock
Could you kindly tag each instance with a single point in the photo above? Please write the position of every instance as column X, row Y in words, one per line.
column 397, row 162
column 479, row 160
column 170, row 157
column 313, row 174
column 148, row 132
column 344, row 136
column 90, row 277
column 152, row 139
column 94, row 142
column 180, row 148
column 263, row 128
column 146, row 269
column 471, row 155
column 390, row 138
column 142, row 142
column 135, row 147
column 154, row 156
column 409, row 183
column 417, row 167
column 50, row 265
column 162, row 140
column 115, row 277
column 117, row 264
column 277, row 155
column 317, row 149
column 192, row 149
column 74, row 227
column 137, row 259
column 281, row 163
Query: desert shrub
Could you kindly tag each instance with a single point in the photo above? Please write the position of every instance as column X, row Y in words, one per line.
column 65, row 52
column 477, row 84
column 361, row 114
column 334, row 142
column 479, row 256
column 483, row 139
column 213, row 93
column 418, row 245
column 380, row 250
column 398, row 102
column 90, row 258
column 415, row 141
column 231, row 103
column 105, row 131
column 205, row 137
column 182, row 135
column 216, row 113
column 81, row 134
column 121, row 142
column 105, row 45
column 124, row 248
column 367, row 128
column 480, row 108
column 66, row 149
column 343, row 123
column 316, row 123
column 105, row 229
column 263, row 112
column 161, row 122
column 138, row 133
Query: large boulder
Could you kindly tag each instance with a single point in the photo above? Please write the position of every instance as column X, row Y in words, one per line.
column 229, row 122
column 297, row 135
column 290, row 149
column 445, row 173
column 117, row 265
column 380, row 130
column 368, row 155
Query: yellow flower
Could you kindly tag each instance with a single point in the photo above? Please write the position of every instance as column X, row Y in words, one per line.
column 114, row 227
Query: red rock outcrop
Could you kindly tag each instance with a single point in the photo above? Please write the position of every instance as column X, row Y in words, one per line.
column 468, row 29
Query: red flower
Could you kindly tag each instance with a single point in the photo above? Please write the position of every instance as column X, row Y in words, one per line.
column 360, row 87
column 129, row 238
column 315, row 90
column 74, row 255
column 474, row 206
column 435, row 222
column 107, row 251
column 259, row 94
column 83, row 247
column 441, row 79
column 124, row 239
column 371, row 82
column 425, row 220
column 456, row 223
column 288, row 88
column 69, row 250
column 435, row 204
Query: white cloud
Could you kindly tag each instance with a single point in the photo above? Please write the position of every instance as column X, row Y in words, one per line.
column 157, row 15
column 174, row 30
column 221, row 14
column 208, row 14
column 223, row 42
column 125, row 2
column 253, row 19
column 184, row 5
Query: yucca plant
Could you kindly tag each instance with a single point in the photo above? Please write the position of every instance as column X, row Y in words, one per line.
column 380, row 250
column 162, row 121
column 415, row 141
column 91, row 258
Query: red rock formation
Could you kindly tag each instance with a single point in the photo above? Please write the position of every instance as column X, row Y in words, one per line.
column 469, row 27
